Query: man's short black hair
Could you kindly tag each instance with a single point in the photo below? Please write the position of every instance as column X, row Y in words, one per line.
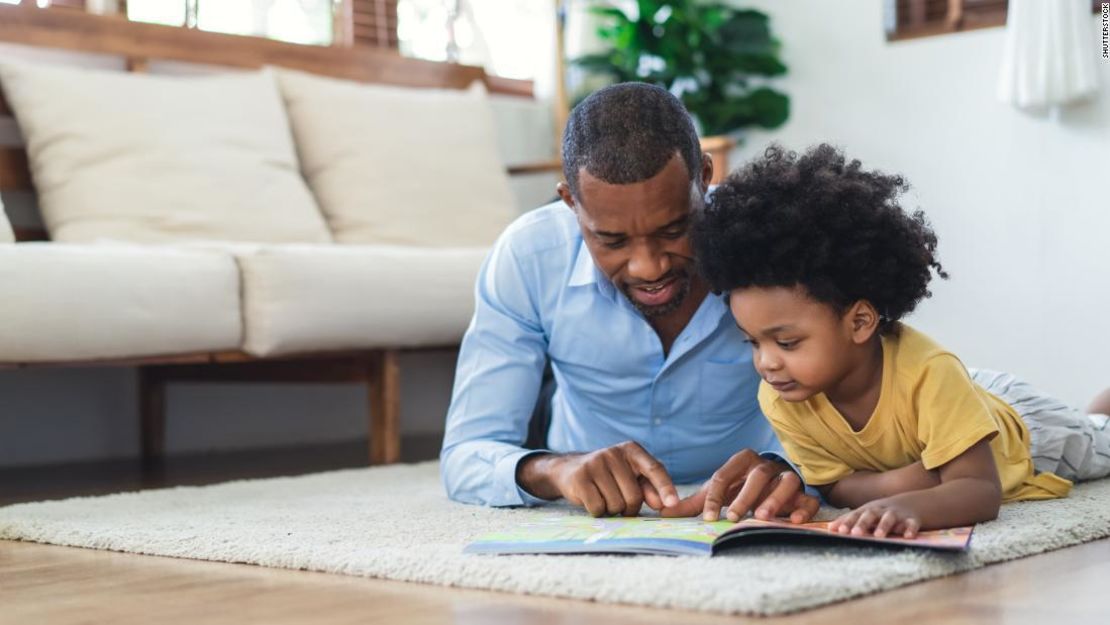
column 820, row 222
column 627, row 133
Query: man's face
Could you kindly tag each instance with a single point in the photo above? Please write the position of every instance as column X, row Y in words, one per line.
column 638, row 233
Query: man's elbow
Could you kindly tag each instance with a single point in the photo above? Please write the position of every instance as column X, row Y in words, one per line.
column 460, row 484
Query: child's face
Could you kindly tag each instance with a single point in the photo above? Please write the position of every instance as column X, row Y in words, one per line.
column 800, row 346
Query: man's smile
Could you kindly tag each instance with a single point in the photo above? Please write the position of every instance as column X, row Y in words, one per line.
column 655, row 294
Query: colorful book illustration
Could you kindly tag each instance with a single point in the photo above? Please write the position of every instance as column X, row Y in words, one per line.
column 685, row 536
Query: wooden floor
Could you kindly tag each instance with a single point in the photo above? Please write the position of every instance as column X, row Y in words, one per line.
column 47, row 584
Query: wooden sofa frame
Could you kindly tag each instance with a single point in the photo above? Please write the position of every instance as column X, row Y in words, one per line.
column 140, row 43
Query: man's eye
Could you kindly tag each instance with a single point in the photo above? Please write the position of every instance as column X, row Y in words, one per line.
column 614, row 245
column 675, row 233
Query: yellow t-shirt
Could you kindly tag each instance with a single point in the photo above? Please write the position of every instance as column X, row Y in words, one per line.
column 928, row 410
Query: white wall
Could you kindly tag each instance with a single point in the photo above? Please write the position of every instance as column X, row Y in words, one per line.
column 1020, row 202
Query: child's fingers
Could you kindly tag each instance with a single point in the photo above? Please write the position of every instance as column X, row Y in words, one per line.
column 886, row 524
column 844, row 522
column 865, row 523
column 912, row 527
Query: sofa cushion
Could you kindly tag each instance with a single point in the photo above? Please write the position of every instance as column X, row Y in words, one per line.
column 157, row 158
column 6, row 234
column 398, row 166
column 307, row 298
column 88, row 302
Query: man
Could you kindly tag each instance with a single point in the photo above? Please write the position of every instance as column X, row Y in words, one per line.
column 653, row 382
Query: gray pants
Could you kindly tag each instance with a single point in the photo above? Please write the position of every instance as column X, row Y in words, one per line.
column 1064, row 440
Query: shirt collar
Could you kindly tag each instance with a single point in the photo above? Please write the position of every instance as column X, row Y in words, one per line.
column 585, row 272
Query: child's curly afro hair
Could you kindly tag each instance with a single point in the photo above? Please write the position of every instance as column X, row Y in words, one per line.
column 823, row 223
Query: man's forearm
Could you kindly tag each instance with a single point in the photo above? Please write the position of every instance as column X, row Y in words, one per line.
column 862, row 487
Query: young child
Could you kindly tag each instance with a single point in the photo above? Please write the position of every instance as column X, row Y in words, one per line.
column 820, row 263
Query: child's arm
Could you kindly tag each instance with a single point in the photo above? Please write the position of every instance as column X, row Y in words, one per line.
column 863, row 487
column 969, row 492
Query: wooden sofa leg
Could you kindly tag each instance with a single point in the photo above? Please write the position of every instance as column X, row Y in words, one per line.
column 385, row 407
column 152, row 417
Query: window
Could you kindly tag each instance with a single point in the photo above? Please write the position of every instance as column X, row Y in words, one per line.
column 509, row 38
column 73, row 4
column 921, row 18
column 295, row 21
column 906, row 19
column 313, row 22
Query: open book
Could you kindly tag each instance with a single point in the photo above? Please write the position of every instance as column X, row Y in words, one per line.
column 686, row 536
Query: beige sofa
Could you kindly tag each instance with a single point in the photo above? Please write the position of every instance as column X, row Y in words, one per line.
column 271, row 222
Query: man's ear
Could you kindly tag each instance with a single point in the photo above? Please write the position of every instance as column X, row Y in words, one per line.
column 706, row 171
column 563, row 189
column 863, row 321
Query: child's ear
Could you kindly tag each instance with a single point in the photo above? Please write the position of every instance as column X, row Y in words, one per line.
column 863, row 321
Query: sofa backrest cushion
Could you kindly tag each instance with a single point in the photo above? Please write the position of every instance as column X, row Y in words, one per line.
column 400, row 166
column 143, row 158
column 6, row 235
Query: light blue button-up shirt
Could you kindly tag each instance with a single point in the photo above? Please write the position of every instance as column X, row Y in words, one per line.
column 539, row 295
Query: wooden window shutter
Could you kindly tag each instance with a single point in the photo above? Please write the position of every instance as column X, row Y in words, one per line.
column 906, row 19
column 920, row 18
column 374, row 23
column 67, row 4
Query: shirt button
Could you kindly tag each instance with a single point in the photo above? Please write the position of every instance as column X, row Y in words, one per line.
column 658, row 421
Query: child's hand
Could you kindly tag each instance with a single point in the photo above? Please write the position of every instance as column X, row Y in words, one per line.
column 880, row 518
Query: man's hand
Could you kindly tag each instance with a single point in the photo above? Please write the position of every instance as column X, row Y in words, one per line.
column 881, row 518
column 610, row 481
column 747, row 483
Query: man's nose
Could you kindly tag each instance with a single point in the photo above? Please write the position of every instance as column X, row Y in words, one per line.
column 648, row 263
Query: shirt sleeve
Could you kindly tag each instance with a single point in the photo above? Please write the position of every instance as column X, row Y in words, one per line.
column 816, row 466
column 497, row 383
column 952, row 415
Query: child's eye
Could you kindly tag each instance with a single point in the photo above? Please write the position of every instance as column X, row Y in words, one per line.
column 787, row 345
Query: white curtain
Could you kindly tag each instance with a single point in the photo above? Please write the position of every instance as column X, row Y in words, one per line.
column 1049, row 55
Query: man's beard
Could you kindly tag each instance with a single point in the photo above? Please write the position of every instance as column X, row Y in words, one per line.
column 682, row 284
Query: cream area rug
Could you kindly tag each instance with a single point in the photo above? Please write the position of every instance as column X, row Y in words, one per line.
column 396, row 523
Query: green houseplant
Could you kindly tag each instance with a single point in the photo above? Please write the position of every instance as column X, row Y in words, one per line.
column 713, row 56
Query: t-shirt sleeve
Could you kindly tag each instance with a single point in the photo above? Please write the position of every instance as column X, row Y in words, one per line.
column 952, row 414
column 818, row 466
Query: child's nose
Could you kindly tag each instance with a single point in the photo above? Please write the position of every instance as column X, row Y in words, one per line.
column 768, row 361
